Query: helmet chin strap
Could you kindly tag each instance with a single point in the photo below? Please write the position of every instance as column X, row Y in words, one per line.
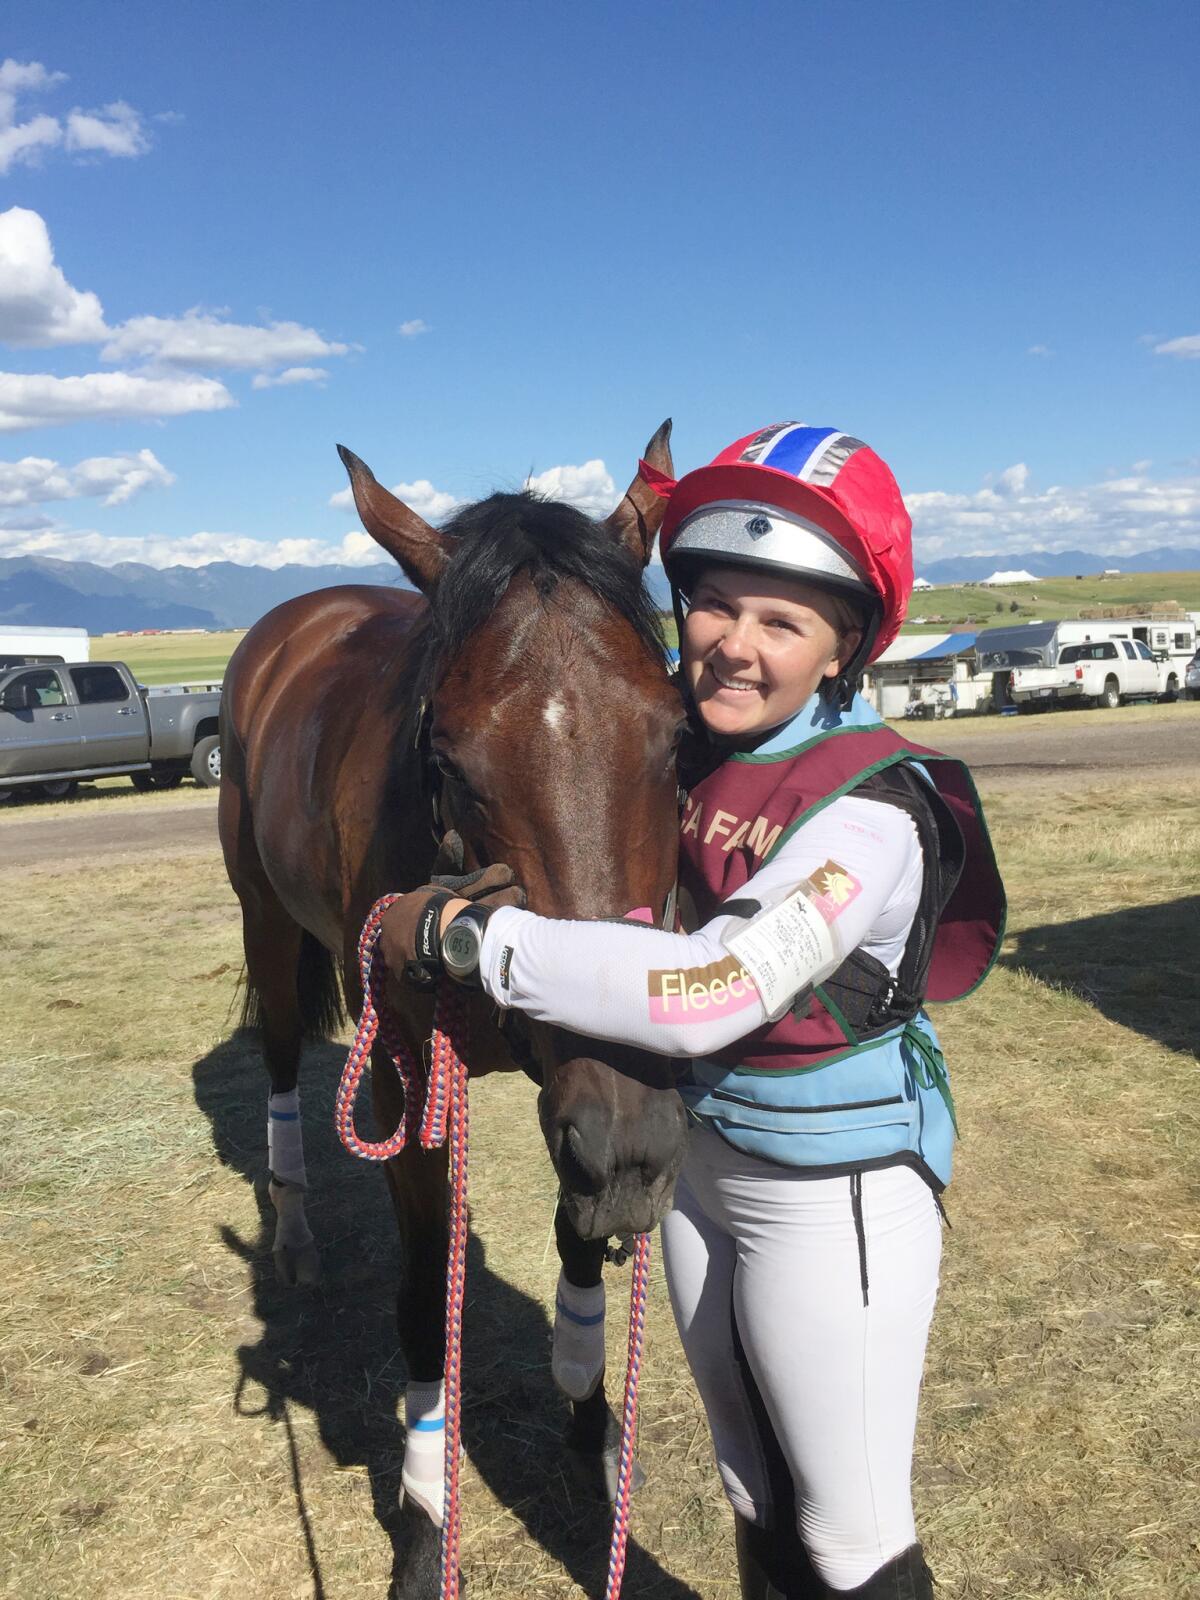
column 848, row 681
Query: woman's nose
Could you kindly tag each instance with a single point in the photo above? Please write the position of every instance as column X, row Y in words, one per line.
column 736, row 642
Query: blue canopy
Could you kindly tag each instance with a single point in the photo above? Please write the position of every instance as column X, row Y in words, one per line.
column 954, row 645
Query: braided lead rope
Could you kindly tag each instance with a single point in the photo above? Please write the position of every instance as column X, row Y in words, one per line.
column 449, row 1068
column 633, row 1366
column 445, row 1113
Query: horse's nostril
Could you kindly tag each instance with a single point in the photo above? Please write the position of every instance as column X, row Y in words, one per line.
column 581, row 1168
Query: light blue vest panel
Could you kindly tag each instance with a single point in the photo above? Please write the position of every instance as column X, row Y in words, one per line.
column 879, row 1099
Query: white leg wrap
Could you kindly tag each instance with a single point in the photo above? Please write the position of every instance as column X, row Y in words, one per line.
column 425, row 1448
column 577, row 1358
column 285, row 1140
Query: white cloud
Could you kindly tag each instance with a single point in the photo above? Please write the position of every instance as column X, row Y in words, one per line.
column 35, row 480
column 1119, row 516
column 355, row 549
column 26, row 141
column 36, row 399
column 1187, row 348
column 38, row 307
column 410, row 330
column 114, row 130
column 199, row 339
column 590, row 487
column 1039, row 350
column 435, row 505
column 288, row 376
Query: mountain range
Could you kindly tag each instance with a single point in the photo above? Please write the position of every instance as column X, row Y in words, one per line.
column 42, row 591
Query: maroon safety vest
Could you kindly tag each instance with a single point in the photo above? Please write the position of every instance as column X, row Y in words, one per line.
column 737, row 817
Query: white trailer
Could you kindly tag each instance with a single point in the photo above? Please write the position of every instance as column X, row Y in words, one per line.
column 42, row 644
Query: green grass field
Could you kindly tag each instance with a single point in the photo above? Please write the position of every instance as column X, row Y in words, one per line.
column 169, row 657
column 1050, row 599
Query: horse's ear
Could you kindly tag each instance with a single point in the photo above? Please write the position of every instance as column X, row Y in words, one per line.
column 637, row 519
column 407, row 538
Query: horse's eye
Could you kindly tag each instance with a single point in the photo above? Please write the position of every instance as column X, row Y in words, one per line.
column 673, row 747
column 447, row 768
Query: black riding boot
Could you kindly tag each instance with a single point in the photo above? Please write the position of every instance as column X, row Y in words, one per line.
column 905, row 1577
column 773, row 1565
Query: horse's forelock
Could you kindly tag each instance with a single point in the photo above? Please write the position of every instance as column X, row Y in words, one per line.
column 506, row 534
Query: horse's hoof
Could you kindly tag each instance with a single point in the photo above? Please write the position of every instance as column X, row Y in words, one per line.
column 612, row 1466
column 417, row 1563
column 297, row 1264
column 595, row 1472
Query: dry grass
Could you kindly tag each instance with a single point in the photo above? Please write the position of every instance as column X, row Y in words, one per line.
column 177, row 1426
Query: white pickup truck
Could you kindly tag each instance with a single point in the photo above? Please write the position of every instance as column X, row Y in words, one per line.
column 64, row 722
column 1100, row 672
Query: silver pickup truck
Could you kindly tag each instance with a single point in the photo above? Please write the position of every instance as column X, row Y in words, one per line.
column 59, row 724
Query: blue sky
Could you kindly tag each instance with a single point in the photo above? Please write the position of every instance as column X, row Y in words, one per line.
column 479, row 241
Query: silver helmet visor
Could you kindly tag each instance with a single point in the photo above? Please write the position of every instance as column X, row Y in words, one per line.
column 764, row 536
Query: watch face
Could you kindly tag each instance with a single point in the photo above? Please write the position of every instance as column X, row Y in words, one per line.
column 460, row 947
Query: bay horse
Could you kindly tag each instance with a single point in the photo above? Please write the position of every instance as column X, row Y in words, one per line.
column 521, row 698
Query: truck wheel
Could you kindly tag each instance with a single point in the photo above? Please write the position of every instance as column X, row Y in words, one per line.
column 1172, row 690
column 5, row 796
column 63, row 789
column 206, row 761
column 147, row 782
column 1111, row 698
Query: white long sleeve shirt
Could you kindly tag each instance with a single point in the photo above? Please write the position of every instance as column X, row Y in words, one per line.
column 850, row 877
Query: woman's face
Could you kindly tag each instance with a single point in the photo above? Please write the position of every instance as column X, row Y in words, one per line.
column 755, row 648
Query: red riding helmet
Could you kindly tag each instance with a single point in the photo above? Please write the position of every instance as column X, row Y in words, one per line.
column 813, row 503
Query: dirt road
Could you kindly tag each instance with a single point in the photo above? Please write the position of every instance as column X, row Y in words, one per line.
column 1007, row 753
column 1014, row 750
column 132, row 828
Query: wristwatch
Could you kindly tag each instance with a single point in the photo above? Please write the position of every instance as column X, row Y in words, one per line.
column 462, row 944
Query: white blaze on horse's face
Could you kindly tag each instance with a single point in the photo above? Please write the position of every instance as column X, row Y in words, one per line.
column 552, row 716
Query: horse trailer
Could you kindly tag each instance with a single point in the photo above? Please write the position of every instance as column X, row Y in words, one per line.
column 21, row 646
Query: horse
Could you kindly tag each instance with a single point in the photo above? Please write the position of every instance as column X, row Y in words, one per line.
column 519, row 697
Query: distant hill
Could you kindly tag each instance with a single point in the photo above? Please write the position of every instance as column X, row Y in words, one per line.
column 40, row 590
column 1058, row 564
column 43, row 591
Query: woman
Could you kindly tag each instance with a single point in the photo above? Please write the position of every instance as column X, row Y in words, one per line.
column 834, row 876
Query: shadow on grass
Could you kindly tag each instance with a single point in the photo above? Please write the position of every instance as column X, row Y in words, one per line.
column 335, row 1350
column 1136, row 965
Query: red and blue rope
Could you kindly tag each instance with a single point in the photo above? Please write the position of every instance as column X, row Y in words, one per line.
column 436, row 1109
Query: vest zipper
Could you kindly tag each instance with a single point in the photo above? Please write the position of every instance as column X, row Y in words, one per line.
column 849, row 1105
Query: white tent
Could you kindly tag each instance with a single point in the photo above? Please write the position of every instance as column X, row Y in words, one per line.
column 1003, row 579
column 922, row 583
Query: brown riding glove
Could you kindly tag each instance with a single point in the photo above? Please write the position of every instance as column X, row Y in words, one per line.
column 410, row 934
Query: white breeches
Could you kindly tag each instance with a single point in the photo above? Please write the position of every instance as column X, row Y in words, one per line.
column 780, row 1253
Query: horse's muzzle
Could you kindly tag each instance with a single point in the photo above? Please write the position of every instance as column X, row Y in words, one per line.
column 617, row 1146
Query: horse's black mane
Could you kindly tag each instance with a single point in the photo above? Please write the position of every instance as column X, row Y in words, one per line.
column 496, row 538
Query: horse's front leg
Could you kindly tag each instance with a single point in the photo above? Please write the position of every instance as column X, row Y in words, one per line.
column 577, row 1359
column 418, row 1182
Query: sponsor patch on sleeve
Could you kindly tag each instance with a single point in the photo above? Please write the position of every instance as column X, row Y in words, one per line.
column 835, row 888
column 697, row 994
column 506, row 956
